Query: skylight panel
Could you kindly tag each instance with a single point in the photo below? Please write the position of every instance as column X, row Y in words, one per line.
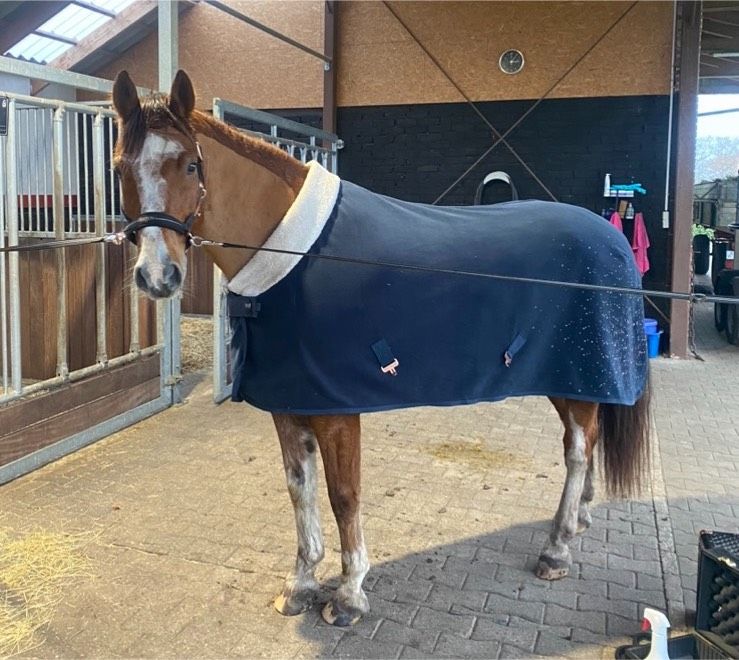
column 39, row 49
column 115, row 6
column 72, row 22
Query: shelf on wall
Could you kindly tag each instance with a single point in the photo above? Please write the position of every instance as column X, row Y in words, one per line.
column 620, row 193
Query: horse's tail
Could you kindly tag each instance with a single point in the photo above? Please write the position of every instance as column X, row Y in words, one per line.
column 625, row 432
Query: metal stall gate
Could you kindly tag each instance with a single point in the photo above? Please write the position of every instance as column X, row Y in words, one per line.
column 82, row 355
column 300, row 141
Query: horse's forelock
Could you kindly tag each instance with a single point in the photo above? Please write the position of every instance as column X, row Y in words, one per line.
column 153, row 114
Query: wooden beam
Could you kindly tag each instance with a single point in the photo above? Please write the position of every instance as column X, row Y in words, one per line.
column 713, row 9
column 717, row 35
column 25, row 19
column 264, row 28
column 55, row 37
column 715, row 20
column 8, row 7
column 714, row 67
column 93, row 7
column 719, row 86
column 329, row 71
column 687, row 120
column 710, row 45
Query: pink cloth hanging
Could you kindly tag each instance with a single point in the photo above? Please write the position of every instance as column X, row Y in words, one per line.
column 640, row 243
column 616, row 221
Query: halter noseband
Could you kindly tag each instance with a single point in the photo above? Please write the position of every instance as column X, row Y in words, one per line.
column 164, row 220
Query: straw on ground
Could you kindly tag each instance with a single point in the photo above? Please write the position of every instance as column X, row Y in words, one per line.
column 35, row 568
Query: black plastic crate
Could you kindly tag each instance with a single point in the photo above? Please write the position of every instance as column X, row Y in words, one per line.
column 717, row 604
column 682, row 647
column 716, row 635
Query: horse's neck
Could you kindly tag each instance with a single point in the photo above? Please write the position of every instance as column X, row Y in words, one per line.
column 245, row 200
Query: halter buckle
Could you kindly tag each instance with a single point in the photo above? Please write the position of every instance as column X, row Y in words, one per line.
column 117, row 239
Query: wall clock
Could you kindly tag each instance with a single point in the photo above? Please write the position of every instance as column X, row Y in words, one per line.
column 511, row 61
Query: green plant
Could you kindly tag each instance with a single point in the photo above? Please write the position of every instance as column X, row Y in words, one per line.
column 701, row 230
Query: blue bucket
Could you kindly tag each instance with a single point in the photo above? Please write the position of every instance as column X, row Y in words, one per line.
column 653, row 343
column 650, row 326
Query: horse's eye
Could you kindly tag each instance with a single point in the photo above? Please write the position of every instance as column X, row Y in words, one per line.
column 192, row 167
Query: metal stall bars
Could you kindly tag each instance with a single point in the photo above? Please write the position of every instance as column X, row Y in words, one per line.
column 300, row 141
column 56, row 181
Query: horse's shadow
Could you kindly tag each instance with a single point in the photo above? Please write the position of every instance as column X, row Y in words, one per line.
column 480, row 598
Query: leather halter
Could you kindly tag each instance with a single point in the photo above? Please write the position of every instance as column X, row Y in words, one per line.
column 165, row 220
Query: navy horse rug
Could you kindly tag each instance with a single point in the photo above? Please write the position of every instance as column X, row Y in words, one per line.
column 313, row 336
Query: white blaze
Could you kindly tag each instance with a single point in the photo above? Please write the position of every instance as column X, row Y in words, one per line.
column 152, row 189
column 148, row 170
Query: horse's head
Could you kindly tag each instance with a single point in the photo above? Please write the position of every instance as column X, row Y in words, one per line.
column 158, row 160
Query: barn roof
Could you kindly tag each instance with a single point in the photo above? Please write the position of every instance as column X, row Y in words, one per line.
column 80, row 35
column 719, row 69
column 47, row 35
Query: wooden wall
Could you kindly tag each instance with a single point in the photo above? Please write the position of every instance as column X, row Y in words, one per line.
column 197, row 294
column 380, row 64
column 38, row 286
column 230, row 59
column 29, row 425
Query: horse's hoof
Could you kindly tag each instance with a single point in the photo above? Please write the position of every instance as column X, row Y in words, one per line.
column 295, row 603
column 552, row 569
column 338, row 614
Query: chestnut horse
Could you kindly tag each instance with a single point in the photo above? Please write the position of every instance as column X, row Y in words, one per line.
column 251, row 186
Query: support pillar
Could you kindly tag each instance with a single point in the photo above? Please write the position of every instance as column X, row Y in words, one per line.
column 168, row 25
column 687, row 123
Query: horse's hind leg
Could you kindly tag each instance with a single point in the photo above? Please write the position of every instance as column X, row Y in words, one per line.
column 588, row 493
column 298, row 445
column 339, row 440
column 580, row 420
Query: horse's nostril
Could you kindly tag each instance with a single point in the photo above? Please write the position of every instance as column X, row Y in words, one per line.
column 140, row 277
column 172, row 275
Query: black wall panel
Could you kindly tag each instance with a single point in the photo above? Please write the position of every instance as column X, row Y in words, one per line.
column 415, row 152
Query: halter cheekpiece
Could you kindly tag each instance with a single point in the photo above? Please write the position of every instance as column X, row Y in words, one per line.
column 165, row 220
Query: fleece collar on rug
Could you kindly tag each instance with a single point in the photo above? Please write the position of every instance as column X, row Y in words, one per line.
column 297, row 231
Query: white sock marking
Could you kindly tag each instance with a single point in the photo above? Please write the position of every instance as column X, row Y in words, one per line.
column 307, row 522
column 565, row 522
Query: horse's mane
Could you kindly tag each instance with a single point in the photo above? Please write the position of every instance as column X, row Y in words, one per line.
column 154, row 113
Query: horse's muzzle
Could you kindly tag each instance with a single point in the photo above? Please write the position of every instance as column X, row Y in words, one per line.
column 162, row 285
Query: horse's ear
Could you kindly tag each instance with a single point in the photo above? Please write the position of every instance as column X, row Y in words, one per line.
column 125, row 96
column 182, row 96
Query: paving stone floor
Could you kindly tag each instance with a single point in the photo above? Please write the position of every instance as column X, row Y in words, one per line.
column 194, row 530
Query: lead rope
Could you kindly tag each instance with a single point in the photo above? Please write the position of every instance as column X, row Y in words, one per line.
column 199, row 241
column 118, row 238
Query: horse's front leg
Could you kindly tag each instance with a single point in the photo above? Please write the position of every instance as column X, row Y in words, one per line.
column 580, row 420
column 298, row 444
column 339, row 440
